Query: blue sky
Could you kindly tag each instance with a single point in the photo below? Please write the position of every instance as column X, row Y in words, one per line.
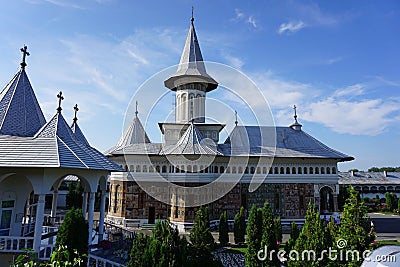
column 338, row 61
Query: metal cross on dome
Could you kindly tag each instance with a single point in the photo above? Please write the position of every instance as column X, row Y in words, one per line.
column 60, row 98
column 25, row 53
column 76, row 109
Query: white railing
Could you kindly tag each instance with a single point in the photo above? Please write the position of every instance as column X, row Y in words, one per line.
column 100, row 262
column 15, row 243
column 45, row 251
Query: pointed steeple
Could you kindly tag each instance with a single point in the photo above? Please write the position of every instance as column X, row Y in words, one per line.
column 134, row 134
column 191, row 67
column 77, row 130
column 20, row 113
column 192, row 143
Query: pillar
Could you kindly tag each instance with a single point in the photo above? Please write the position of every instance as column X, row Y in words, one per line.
column 39, row 223
column 54, row 207
column 335, row 203
column 84, row 204
column 90, row 216
column 102, row 210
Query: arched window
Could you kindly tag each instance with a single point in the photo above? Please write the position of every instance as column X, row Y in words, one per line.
column 189, row 168
column 234, row 169
column 294, row 170
column 228, row 169
column 182, row 169
column 282, row 171
column 137, row 168
column 258, row 170
column 287, row 170
column 270, row 170
column 194, row 168
column 328, row 170
column 221, row 169
column 206, row 169
column 264, row 170
column 151, row 168
column 131, row 168
column 299, row 170
column 333, row 170
column 158, row 168
column 316, row 170
column 177, row 169
column 276, row 170
column 311, row 170
column 246, row 170
column 164, row 169
column 144, row 168
column 126, row 168
column 215, row 169
column 322, row 170
column 252, row 170
column 240, row 169
column 201, row 169
column 305, row 170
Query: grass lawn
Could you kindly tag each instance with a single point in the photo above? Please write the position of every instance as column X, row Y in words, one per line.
column 388, row 242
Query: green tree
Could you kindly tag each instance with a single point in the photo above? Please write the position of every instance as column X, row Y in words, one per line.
column 389, row 201
column 254, row 235
column 343, row 195
column 278, row 229
column 312, row 238
column 74, row 197
column 73, row 234
column 268, row 241
column 294, row 234
column 355, row 228
column 201, row 237
column 223, row 229
column 398, row 205
column 165, row 248
column 240, row 226
column 139, row 252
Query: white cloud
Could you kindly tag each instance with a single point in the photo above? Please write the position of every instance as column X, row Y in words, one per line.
column 369, row 117
column 232, row 61
column 333, row 60
column 351, row 91
column 248, row 19
column 291, row 27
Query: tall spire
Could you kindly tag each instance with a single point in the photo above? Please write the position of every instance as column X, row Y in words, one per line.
column 25, row 53
column 191, row 67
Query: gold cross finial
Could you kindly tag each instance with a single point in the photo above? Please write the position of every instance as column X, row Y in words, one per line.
column 60, row 98
column 25, row 53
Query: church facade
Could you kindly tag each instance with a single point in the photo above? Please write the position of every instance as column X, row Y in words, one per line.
column 294, row 170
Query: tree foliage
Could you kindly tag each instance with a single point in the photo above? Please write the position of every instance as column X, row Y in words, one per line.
column 355, row 227
column 382, row 169
column 223, row 229
column 269, row 240
column 74, row 197
column 240, row 226
column 311, row 238
column 73, row 233
column 254, row 236
column 294, row 234
column 164, row 248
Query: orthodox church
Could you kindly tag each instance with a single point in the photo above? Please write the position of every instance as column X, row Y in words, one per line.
column 170, row 180
column 35, row 157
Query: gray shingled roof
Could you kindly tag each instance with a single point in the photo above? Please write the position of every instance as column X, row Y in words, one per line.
column 134, row 134
column 26, row 140
column 53, row 146
column 259, row 141
column 20, row 113
column 369, row 178
column 191, row 66
column 76, row 130
column 192, row 143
